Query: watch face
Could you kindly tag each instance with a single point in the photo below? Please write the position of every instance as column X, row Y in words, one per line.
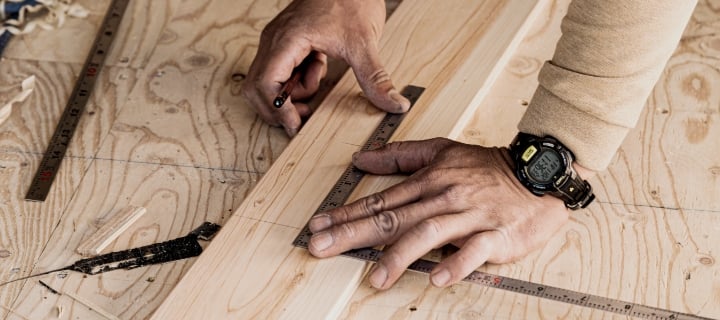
column 545, row 166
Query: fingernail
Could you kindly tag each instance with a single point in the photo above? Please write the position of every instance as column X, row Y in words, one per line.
column 378, row 276
column 440, row 278
column 320, row 222
column 355, row 156
column 291, row 132
column 402, row 103
column 321, row 241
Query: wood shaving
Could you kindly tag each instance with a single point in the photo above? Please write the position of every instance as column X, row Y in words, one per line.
column 27, row 87
column 47, row 15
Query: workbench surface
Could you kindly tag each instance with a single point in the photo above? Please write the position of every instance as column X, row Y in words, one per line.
column 167, row 130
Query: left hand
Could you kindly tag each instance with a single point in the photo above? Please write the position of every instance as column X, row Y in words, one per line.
column 461, row 194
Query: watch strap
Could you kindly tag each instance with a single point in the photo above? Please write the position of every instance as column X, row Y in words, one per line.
column 574, row 191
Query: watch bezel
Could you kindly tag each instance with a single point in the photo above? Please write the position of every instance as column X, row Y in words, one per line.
column 539, row 187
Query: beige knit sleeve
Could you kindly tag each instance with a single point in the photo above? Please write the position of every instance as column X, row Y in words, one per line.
column 605, row 65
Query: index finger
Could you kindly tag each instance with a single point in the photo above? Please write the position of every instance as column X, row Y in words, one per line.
column 272, row 67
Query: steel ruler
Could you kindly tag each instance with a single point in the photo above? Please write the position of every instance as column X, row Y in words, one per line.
column 53, row 156
column 344, row 187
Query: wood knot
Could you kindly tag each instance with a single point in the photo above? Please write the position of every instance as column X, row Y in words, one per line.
column 199, row 60
column 5, row 253
column 524, row 66
column 696, row 85
column 706, row 260
column 238, row 77
column 167, row 36
column 696, row 130
column 715, row 171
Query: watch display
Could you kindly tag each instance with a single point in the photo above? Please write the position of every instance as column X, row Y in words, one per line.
column 545, row 166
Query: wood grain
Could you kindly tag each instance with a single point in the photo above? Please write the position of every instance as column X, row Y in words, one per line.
column 258, row 236
column 133, row 45
column 188, row 110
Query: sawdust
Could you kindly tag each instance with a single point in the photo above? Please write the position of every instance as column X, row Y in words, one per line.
column 27, row 87
column 47, row 15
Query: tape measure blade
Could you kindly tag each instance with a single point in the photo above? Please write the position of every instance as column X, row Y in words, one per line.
column 350, row 179
column 84, row 85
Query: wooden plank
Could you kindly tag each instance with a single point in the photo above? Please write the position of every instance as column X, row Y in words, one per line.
column 110, row 229
column 652, row 236
column 139, row 33
column 250, row 270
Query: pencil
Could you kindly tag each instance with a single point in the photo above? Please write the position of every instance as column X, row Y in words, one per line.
column 287, row 88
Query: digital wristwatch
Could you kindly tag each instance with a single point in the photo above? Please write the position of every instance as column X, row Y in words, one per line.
column 544, row 166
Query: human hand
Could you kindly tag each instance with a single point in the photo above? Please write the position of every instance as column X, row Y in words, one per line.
column 314, row 29
column 461, row 194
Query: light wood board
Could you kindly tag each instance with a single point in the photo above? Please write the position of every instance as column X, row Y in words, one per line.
column 652, row 237
column 250, row 270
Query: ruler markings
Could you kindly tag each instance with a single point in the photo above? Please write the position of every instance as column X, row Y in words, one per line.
column 58, row 145
column 351, row 177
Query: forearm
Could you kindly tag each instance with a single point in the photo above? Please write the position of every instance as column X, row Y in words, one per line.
column 606, row 63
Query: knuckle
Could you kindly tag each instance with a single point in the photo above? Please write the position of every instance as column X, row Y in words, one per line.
column 346, row 231
column 387, row 224
column 454, row 193
column 379, row 76
column 374, row 203
column 268, row 33
column 434, row 174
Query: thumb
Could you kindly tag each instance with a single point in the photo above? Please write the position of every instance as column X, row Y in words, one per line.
column 405, row 156
column 375, row 81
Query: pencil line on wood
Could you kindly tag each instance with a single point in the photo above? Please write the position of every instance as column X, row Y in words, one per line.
column 136, row 162
column 658, row 207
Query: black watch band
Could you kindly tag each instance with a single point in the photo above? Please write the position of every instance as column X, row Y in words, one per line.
column 544, row 166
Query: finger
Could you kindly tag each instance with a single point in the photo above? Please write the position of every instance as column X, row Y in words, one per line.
column 474, row 253
column 271, row 68
column 315, row 70
column 396, row 196
column 409, row 191
column 375, row 80
column 289, row 117
column 417, row 241
column 381, row 228
column 256, row 102
column 405, row 156
column 303, row 110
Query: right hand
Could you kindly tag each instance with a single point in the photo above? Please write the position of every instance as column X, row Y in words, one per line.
column 315, row 29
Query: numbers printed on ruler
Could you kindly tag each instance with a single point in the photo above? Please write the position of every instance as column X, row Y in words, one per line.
column 344, row 187
column 58, row 145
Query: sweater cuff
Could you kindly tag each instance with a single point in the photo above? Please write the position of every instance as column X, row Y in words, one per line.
column 593, row 141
